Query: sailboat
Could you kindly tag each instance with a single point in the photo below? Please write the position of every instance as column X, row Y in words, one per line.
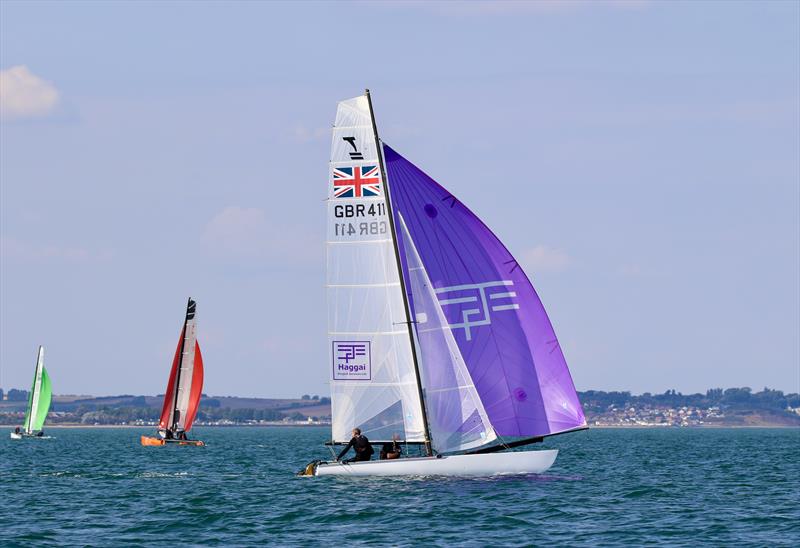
column 436, row 335
column 38, row 402
column 184, row 388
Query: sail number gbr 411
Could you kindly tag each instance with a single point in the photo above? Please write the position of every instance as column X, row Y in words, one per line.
column 357, row 219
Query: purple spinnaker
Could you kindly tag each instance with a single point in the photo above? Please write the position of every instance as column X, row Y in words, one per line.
column 497, row 319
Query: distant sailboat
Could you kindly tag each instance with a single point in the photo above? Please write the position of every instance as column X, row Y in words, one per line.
column 38, row 402
column 436, row 335
column 184, row 388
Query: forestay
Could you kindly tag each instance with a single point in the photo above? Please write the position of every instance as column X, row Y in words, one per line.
column 496, row 318
column 373, row 383
column 39, row 398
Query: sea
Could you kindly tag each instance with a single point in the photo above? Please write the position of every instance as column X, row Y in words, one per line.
column 608, row 487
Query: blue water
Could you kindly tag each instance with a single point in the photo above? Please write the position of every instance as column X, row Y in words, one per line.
column 608, row 487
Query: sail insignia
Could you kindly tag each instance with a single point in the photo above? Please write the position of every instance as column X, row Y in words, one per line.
column 190, row 310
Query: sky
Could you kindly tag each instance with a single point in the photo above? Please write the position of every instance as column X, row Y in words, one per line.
column 640, row 159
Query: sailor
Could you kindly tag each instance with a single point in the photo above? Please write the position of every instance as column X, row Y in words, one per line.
column 181, row 435
column 392, row 449
column 16, row 430
column 360, row 443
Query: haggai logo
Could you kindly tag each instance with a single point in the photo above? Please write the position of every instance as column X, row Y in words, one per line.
column 351, row 361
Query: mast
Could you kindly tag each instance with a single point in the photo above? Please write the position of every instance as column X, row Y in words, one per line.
column 385, row 180
column 189, row 311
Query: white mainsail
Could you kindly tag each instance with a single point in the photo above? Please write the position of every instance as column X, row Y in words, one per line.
column 36, row 391
column 39, row 398
column 373, row 383
column 187, row 369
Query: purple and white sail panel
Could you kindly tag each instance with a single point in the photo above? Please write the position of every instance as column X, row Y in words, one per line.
column 373, row 383
column 497, row 319
column 456, row 417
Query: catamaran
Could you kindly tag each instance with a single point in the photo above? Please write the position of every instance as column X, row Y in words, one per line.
column 38, row 402
column 184, row 388
column 436, row 335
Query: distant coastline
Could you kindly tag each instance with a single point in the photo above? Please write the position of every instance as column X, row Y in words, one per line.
column 717, row 408
column 150, row 426
column 281, row 425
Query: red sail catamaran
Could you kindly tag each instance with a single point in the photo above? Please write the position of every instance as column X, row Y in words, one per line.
column 184, row 388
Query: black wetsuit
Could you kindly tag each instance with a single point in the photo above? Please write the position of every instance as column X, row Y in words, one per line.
column 391, row 447
column 363, row 449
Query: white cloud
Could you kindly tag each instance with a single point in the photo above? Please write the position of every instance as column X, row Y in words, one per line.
column 17, row 250
column 630, row 270
column 302, row 134
column 513, row 7
column 635, row 270
column 246, row 233
column 545, row 259
column 25, row 95
column 236, row 230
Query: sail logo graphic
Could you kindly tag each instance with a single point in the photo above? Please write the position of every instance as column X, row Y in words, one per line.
column 352, row 361
column 356, row 154
column 473, row 304
column 356, row 182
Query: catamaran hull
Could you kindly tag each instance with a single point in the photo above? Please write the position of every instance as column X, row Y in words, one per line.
column 148, row 441
column 493, row 464
column 15, row 436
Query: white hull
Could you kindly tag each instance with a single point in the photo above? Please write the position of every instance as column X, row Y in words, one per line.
column 491, row 464
column 15, row 436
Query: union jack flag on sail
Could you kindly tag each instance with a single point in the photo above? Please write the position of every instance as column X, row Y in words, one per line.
column 356, row 182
